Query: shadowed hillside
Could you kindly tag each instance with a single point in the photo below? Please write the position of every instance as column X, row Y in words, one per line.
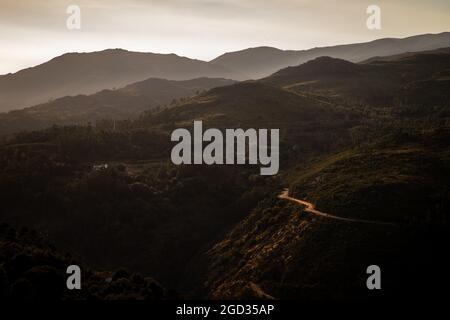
column 401, row 179
column 221, row 231
column 87, row 73
column 34, row 270
column 124, row 103
column 390, row 81
column 282, row 252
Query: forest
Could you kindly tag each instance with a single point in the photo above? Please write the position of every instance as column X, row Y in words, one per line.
column 110, row 199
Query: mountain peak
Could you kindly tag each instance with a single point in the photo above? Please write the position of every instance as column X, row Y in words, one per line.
column 321, row 66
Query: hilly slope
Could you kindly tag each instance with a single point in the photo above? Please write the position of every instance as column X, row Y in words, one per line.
column 396, row 181
column 280, row 251
column 263, row 61
column 245, row 104
column 221, row 231
column 123, row 103
column 443, row 50
column 393, row 169
column 307, row 125
column 87, row 73
column 33, row 269
column 392, row 80
column 141, row 206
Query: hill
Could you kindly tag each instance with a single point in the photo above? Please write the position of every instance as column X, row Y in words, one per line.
column 262, row 61
column 143, row 206
column 87, row 73
column 308, row 125
column 390, row 81
column 398, row 180
column 281, row 252
column 259, row 62
column 124, row 103
column 221, row 231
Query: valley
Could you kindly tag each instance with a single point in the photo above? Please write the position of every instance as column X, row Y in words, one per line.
column 365, row 161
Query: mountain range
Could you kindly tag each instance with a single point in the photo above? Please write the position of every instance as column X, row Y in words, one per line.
column 262, row 61
column 88, row 73
column 355, row 140
column 411, row 79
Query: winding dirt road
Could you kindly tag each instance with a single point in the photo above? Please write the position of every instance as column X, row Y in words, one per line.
column 311, row 208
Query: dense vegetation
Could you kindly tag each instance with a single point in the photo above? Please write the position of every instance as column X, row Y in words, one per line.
column 139, row 210
column 32, row 269
column 111, row 197
column 282, row 252
column 401, row 178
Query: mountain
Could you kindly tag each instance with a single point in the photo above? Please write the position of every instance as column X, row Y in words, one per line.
column 390, row 167
column 317, row 69
column 308, row 123
column 87, row 73
column 141, row 206
column 282, row 251
column 398, row 179
column 124, row 103
column 420, row 78
column 262, row 61
column 221, row 231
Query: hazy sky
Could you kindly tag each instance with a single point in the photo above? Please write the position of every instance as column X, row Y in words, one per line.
column 32, row 32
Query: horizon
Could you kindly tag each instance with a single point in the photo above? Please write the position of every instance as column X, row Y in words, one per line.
column 221, row 54
column 33, row 33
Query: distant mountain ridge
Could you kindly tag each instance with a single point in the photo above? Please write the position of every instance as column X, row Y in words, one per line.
column 87, row 73
column 262, row 61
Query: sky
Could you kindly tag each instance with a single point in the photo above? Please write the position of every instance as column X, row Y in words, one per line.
column 32, row 32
